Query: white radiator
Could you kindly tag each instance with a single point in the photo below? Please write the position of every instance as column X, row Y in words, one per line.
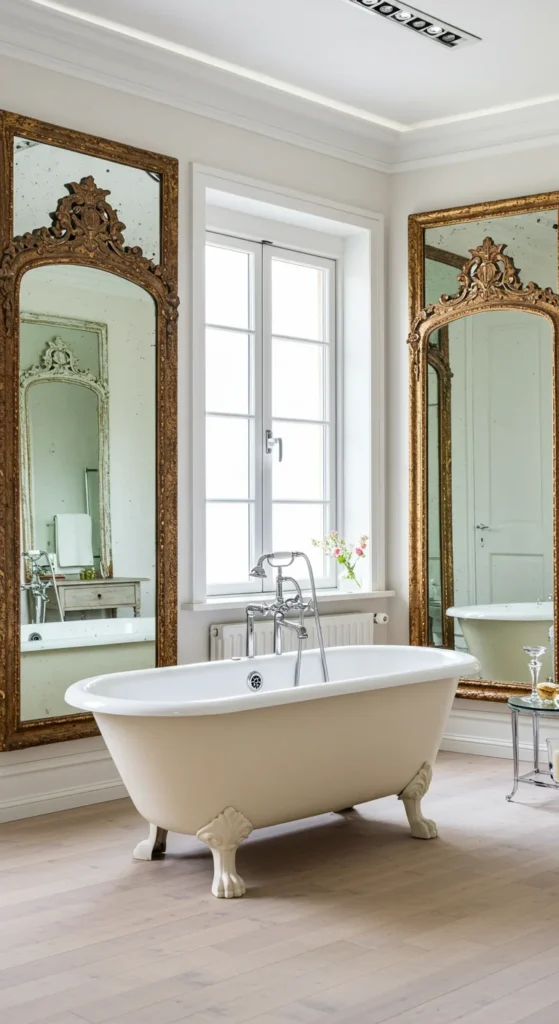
column 229, row 639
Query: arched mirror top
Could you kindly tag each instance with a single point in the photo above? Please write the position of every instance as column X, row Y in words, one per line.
column 86, row 231
column 489, row 280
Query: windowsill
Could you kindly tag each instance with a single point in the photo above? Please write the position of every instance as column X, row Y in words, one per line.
column 219, row 604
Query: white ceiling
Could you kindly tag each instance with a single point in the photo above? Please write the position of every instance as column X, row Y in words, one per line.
column 351, row 58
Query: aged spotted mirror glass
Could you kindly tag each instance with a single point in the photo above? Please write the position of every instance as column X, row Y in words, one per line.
column 89, row 329
column 499, row 435
column 483, row 386
column 87, row 401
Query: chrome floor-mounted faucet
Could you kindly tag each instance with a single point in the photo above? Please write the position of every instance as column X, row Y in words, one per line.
column 283, row 606
column 38, row 587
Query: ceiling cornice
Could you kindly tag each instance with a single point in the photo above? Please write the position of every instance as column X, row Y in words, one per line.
column 57, row 41
column 61, row 43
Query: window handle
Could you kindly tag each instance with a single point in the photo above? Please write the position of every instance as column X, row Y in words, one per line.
column 271, row 442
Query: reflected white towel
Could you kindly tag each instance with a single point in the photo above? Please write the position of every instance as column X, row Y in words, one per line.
column 74, row 545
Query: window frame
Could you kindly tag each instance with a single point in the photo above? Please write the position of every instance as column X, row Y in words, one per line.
column 217, row 198
column 254, row 250
column 262, row 254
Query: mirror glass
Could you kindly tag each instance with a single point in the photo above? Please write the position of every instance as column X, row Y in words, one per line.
column 530, row 238
column 490, row 483
column 88, row 478
column 41, row 173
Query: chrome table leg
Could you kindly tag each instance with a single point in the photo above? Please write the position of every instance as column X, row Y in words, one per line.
column 515, row 753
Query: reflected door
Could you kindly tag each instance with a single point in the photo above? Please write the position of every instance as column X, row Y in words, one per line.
column 512, row 457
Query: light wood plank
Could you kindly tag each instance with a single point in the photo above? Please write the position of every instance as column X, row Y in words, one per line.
column 345, row 921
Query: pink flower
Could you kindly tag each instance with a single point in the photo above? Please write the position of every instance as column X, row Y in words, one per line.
column 359, row 552
column 336, row 552
column 364, row 540
column 333, row 533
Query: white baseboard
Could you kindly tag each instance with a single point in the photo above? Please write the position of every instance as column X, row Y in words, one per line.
column 41, row 780
column 475, row 727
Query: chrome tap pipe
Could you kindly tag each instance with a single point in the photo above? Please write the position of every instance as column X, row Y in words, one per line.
column 282, row 560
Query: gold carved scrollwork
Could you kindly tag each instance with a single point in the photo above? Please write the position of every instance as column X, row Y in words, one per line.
column 85, row 231
column 489, row 280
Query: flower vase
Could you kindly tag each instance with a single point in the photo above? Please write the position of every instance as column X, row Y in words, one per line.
column 349, row 586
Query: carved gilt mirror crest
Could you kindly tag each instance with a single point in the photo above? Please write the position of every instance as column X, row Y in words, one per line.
column 483, row 457
column 88, row 334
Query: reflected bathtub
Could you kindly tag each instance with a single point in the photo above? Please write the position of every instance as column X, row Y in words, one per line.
column 201, row 753
column 65, row 651
column 496, row 633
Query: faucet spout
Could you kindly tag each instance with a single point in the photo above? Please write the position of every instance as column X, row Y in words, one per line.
column 294, row 627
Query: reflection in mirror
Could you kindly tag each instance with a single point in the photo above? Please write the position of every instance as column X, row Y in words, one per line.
column 434, row 508
column 41, row 172
column 498, row 483
column 88, row 486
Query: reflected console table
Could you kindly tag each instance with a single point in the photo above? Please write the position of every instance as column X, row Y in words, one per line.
column 104, row 594
column 537, row 776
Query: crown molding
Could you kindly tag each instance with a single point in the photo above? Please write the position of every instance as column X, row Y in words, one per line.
column 59, row 42
column 492, row 134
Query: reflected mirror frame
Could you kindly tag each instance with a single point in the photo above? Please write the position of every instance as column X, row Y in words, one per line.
column 161, row 282
column 422, row 323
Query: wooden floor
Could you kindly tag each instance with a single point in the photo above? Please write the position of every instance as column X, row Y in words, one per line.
column 344, row 921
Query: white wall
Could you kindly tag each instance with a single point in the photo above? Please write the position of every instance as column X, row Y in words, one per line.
column 99, row 110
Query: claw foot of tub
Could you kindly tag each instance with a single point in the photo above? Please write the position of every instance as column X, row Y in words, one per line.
column 152, row 847
column 411, row 797
column 223, row 835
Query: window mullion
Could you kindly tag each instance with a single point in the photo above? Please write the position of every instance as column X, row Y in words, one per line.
column 267, row 508
column 258, row 391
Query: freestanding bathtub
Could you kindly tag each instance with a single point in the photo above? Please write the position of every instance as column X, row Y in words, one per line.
column 497, row 633
column 202, row 753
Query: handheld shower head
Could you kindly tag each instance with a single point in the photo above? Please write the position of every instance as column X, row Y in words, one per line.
column 259, row 571
column 283, row 558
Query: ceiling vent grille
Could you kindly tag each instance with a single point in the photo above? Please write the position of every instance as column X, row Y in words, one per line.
column 423, row 24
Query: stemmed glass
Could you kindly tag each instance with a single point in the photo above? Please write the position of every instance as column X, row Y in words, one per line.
column 535, row 666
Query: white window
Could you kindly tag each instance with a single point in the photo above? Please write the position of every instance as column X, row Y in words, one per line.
column 270, row 408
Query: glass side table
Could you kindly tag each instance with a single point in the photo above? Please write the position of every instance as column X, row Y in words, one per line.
column 538, row 776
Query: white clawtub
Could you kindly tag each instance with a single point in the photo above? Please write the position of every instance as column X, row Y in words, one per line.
column 201, row 753
column 496, row 635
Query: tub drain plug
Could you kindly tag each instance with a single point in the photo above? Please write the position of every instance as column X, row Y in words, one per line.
column 254, row 681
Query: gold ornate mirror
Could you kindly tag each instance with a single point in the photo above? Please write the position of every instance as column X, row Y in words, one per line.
column 483, row 390
column 88, row 333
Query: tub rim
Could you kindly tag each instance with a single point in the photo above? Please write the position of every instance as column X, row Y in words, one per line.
column 81, row 695
column 504, row 612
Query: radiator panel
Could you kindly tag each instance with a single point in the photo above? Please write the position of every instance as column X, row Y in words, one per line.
column 228, row 640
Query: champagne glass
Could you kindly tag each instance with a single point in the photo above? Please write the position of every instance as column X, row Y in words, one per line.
column 535, row 666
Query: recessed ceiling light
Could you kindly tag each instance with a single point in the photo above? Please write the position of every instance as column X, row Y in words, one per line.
column 421, row 23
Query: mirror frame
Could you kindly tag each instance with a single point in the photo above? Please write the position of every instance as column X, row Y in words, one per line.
column 68, row 373
column 86, row 232
column 488, row 281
